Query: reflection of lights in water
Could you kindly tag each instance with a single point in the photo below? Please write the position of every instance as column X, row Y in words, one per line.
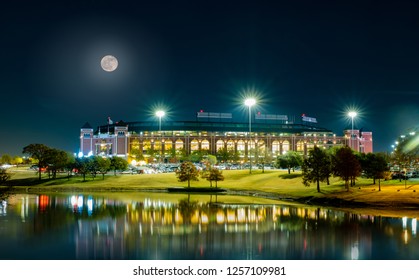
column 414, row 225
column 406, row 237
column 177, row 216
column 43, row 202
column 355, row 251
column 231, row 217
column 3, row 208
column 90, row 205
column 73, row 200
column 241, row 215
column 220, row 217
column 77, row 202
column 22, row 210
column 404, row 220
column 204, row 219
column 80, row 201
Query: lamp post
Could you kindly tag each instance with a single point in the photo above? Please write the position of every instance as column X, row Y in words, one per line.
column 160, row 114
column 352, row 114
column 249, row 102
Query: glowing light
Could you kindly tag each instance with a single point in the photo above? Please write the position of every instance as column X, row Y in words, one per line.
column 160, row 113
column 352, row 114
column 412, row 143
column 250, row 102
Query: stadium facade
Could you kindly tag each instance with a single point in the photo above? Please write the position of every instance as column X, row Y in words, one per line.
column 264, row 135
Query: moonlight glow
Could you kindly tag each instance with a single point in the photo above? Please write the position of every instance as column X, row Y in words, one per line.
column 109, row 63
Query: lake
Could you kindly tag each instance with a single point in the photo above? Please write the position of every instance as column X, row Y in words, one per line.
column 162, row 226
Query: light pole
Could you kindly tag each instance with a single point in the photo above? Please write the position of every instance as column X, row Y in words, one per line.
column 160, row 114
column 352, row 114
column 249, row 102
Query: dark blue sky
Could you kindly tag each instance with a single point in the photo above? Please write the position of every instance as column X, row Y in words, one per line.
column 320, row 58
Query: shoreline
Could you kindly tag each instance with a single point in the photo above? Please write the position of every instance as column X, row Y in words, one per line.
column 395, row 198
column 395, row 208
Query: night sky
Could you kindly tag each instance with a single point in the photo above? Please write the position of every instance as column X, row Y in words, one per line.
column 320, row 58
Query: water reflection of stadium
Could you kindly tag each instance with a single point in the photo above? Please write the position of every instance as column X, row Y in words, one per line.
column 186, row 229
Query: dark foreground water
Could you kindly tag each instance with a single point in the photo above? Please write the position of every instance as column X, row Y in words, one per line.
column 167, row 226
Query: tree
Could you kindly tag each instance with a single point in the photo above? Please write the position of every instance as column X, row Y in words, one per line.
column 205, row 174
column 265, row 157
column 152, row 154
column 187, row 172
column 82, row 166
column 212, row 174
column 290, row 160
column 6, row 159
column 56, row 160
column 374, row 166
column 212, row 159
column 40, row 152
column 215, row 175
column 93, row 166
column 197, row 156
column 118, row 163
column 380, row 168
column 316, row 167
column 103, row 165
column 224, row 154
column 4, row 175
column 345, row 165
column 17, row 160
column 71, row 165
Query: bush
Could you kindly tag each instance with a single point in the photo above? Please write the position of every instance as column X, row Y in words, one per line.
column 4, row 175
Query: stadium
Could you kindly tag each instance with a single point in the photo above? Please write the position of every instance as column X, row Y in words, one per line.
column 263, row 136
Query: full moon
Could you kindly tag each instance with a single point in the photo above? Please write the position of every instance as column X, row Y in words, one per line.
column 109, row 63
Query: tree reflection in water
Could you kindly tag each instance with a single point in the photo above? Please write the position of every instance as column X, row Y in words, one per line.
column 181, row 227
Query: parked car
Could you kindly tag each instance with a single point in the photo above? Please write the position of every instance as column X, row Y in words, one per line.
column 412, row 174
column 397, row 176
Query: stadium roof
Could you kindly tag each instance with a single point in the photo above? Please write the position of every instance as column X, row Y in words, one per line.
column 138, row 127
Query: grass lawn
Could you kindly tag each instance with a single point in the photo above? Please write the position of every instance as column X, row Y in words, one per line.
column 275, row 184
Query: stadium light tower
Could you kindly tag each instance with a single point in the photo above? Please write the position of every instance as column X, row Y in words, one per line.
column 352, row 115
column 249, row 102
column 160, row 114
